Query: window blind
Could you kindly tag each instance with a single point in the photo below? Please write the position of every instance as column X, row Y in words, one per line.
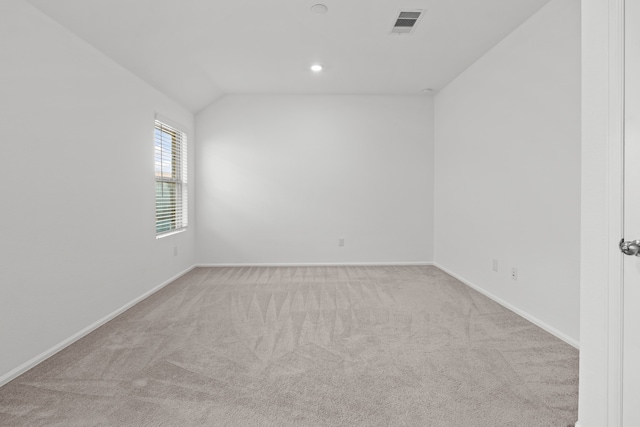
column 171, row 179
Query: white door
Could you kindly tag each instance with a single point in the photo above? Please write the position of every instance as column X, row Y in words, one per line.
column 631, row 346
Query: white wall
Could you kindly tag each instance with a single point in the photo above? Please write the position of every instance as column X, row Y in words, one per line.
column 507, row 170
column 77, row 219
column 282, row 178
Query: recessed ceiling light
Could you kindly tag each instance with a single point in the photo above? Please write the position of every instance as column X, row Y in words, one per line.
column 316, row 68
column 427, row 90
column 319, row 9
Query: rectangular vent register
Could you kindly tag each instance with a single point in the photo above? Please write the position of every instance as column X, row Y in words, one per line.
column 406, row 21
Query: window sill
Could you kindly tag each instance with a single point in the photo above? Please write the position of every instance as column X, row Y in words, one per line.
column 170, row 233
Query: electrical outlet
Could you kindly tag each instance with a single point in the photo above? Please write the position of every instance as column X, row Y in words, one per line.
column 495, row 265
column 341, row 241
column 514, row 273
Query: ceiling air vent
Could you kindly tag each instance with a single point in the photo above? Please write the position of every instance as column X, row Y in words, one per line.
column 406, row 21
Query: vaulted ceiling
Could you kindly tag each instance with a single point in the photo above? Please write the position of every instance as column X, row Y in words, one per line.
column 197, row 50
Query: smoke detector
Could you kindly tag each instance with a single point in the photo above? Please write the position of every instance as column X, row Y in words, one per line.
column 406, row 21
column 319, row 9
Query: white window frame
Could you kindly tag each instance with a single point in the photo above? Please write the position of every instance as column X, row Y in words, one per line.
column 170, row 145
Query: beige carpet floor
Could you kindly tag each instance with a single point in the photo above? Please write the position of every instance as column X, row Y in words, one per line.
column 305, row 346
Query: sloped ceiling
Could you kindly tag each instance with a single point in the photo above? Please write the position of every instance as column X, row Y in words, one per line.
column 196, row 50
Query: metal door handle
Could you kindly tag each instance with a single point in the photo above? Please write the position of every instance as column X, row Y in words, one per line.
column 631, row 248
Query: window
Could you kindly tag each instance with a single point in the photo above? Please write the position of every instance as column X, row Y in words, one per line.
column 171, row 179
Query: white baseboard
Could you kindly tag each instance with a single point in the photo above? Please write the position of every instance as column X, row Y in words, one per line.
column 577, row 424
column 316, row 264
column 553, row 331
column 14, row 373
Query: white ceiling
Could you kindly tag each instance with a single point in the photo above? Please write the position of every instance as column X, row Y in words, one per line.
column 196, row 50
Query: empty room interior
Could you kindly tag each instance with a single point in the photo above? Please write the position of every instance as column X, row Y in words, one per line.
column 295, row 213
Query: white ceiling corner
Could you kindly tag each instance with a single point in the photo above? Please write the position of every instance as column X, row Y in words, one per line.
column 252, row 46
